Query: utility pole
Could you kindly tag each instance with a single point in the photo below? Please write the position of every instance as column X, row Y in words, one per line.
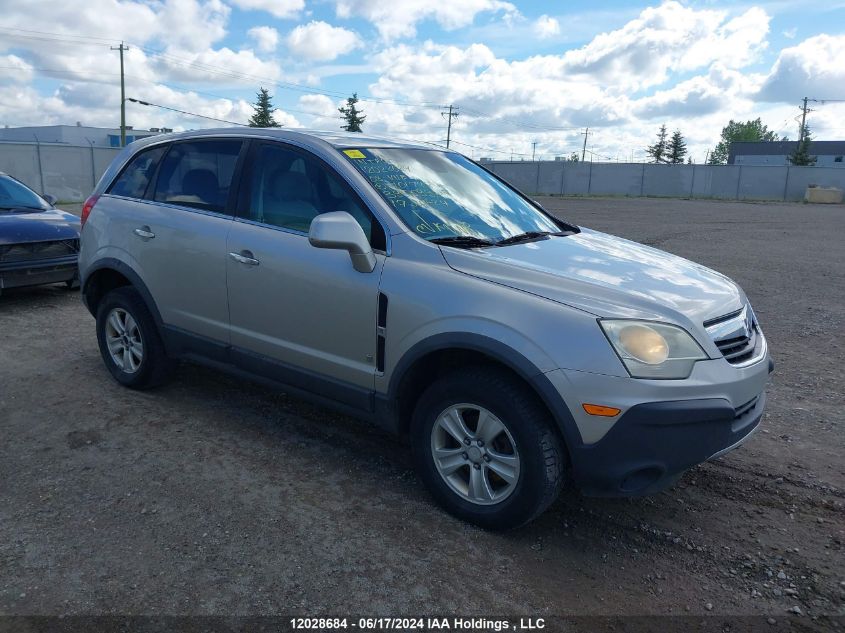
column 122, row 48
column 586, row 133
column 450, row 113
column 533, row 150
column 804, row 111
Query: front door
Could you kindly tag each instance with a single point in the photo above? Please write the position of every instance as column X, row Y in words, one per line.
column 301, row 314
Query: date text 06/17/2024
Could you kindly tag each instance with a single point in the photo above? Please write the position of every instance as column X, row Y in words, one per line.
column 467, row 625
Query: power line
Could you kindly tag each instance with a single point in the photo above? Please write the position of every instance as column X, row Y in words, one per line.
column 67, row 36
column 287, row 85
column 208, row 68
column 515, row 122
column 202, row 116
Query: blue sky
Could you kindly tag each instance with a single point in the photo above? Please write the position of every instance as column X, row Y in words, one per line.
column 520, row 72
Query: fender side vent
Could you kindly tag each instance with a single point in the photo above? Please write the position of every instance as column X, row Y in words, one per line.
column 382, row 310
column 381, row 324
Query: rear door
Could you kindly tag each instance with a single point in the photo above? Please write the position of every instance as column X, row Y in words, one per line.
column 300, row 313
column 179, row 238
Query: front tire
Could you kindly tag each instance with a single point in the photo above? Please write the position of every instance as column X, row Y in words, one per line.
column 129, row 340
column 486, row 448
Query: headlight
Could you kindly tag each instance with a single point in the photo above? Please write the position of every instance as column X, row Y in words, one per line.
column 653, row 350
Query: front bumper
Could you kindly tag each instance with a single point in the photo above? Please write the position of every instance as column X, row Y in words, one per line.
column 652, row 444
column 665, row 428
column 38, row 272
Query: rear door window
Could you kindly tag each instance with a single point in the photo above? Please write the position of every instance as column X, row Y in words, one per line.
column 198, row 174
column 135, row 177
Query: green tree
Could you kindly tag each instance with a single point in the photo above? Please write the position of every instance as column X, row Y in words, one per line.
column 801, row 156
column 263, row 106
column 677, row 149
column 352, row 115
column 736, row 131
column 658, row 151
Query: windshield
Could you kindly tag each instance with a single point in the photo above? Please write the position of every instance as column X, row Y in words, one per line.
column 15, row 195
column 442, row 194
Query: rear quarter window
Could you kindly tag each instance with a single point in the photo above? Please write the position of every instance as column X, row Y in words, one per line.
column 198, row 174
column 135, row 177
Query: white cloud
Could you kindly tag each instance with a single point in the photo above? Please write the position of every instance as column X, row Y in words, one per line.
column 187, row 32
column 813, row 68
column 266, row 38
column 320, row 41
column 318, row 105
column 546, row 26
column 15, row 69
column 216, row 65
column 675, row 63
column 790, row 33
column 608, row 84
column 191, row 25
column 665, row 39
column 398, row 18
column 281, row 9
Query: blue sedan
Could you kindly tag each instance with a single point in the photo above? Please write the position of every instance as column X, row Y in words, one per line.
column 39, row 244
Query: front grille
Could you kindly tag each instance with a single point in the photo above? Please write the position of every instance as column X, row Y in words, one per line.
column 737, row 335
column 739, row 348
column 35, row 251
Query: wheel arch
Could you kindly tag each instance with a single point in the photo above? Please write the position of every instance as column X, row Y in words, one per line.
column 110, row 273
column 429, row 358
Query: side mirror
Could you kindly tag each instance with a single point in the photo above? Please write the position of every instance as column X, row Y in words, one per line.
column 50, row 198
column 339, row 230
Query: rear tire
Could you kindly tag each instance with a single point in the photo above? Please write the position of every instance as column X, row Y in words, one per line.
column 129, row 340
column 509, row 465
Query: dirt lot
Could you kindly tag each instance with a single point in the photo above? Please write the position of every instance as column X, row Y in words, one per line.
column 217, row 497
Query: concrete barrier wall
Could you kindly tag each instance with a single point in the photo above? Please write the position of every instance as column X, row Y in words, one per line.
column 728, row 182
column 70, row 173
column 66, row 171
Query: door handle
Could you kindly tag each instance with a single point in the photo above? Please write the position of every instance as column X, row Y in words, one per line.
column 244, row 257
column 144, row 232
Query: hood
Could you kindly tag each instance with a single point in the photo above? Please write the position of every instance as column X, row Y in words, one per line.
column 37, row 226
column 605, row 275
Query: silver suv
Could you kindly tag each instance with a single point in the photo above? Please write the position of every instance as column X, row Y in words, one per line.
column 408, row 286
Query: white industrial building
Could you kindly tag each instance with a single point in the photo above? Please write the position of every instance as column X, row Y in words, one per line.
column 78, row 134
column 827, row 153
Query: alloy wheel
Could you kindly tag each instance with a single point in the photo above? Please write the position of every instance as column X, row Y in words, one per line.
column 123, row 338
column 475, row 454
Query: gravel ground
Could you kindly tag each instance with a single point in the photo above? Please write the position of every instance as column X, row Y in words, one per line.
column 212, row 496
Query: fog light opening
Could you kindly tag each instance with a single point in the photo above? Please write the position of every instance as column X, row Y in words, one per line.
column 641, row 479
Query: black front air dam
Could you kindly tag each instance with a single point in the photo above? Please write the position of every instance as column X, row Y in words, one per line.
column 652, row 444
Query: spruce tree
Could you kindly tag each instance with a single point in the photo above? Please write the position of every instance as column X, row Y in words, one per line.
column 263, row 116
column 352, row 115
column 801, row 156
column 677, row 148
column 659, row 149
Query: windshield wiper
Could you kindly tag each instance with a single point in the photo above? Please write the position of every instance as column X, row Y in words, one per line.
column 459, row 241
column 524, row 237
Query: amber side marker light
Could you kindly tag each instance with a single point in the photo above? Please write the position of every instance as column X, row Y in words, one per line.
column 597, row 409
